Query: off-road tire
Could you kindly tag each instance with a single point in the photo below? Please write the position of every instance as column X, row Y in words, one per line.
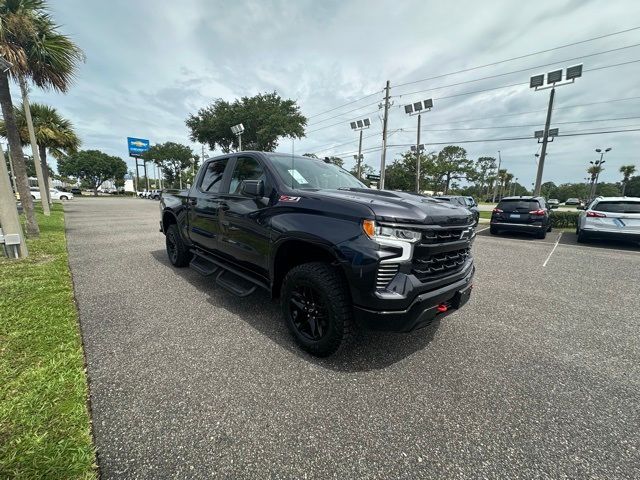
column 178, row 253
column 333, row 294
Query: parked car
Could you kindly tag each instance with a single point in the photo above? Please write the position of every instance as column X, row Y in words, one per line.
column 521, row 214
column 610, row 218
column 466, row 202
column 553, row 203
column 337, row 253
column 573, row 201
column 55, row 194
column 75, row 191
column 155, row 194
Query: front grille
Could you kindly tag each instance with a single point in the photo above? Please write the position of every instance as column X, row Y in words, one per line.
column 440, row 264
column 442, row 236
column 386, row 272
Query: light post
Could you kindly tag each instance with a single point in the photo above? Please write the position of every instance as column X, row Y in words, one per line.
column 554, row 79
column 598, row 164
column 495, row 189
column 514, row 187
column 416, row 109
column 237, row 131
column 360, row 125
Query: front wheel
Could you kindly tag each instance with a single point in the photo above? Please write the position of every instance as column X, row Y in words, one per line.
column 317, row 308
column 179, row 254
column 64, row 197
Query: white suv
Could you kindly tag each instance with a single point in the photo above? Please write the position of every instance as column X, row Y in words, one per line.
column 610, row 217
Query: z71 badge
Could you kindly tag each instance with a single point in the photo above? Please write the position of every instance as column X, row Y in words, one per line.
column 287, row 198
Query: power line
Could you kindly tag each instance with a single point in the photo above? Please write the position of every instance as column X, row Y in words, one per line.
column 338, row 123
column 345, row 104
column 519, row 57
column 343, row 113
column 476, row 68
column 519, row 70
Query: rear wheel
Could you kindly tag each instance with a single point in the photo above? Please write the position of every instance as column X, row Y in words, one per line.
column 64, row 197
column 317, row 308
column 493, row 230
column 582, row 237
column 542, row 233
column 179, row 254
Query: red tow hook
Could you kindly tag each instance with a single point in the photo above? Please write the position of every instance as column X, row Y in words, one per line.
column 442, row 308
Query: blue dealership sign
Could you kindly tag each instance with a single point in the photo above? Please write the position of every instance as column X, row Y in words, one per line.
column 137, row 146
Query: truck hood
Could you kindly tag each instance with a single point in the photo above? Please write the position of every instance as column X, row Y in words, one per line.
column 401, row 207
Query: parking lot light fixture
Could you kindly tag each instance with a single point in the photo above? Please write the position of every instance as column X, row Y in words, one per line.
column 360, row 125
column 416, row 109
column 554, row 79
column 237, row 130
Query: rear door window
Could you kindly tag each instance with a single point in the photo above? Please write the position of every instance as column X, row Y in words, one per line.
column 617, row 206
column 518, row 205
column 213, row 175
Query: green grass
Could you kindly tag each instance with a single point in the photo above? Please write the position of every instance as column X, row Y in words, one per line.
column 486, row 215
column 44, row 422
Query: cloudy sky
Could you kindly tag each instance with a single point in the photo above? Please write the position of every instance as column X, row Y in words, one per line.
column 151, row 62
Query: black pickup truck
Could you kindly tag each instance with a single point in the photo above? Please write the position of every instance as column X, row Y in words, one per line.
column 339, row 255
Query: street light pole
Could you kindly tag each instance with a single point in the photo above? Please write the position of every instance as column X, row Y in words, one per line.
column 545, row 141
column 385, row 121
column 360, row 125
column 360, row 155
column 418, row 156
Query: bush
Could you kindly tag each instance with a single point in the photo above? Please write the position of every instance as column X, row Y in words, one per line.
column 564, row 219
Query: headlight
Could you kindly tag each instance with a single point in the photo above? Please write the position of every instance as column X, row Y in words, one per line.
column 374, row 232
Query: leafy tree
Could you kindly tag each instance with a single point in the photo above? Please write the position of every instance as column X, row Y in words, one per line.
column 549, row 190
column 626, row 171
column 607, row 189
column 451, row 164
column 265, row 117
column 31, row 42
column 53, row 132
column 364, row 171
column 172, row 158
column 401, row 174
column 633, row 186
column 480, row 175
column 335, row 160
column 93, row 167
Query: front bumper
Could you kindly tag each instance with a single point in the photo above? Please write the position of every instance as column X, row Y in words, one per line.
column 422, row 311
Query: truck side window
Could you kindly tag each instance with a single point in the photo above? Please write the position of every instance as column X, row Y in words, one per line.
column 247, row 168
column 212, row 179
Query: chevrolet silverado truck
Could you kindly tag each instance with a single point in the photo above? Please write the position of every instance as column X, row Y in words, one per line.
column 339, row 255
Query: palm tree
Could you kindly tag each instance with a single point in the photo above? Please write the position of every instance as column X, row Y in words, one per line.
column 626, row 171
column 31, row 43
column 53, row 132
column 502, row 177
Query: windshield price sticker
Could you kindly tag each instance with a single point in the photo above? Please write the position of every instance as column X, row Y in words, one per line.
column 297, row 177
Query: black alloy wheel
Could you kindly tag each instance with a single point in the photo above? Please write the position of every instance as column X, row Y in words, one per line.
column 308, row 313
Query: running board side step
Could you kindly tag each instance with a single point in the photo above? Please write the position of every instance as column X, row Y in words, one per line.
column 232, row 280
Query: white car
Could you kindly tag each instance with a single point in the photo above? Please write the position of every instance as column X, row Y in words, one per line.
column 610, row 217
column 55, row 194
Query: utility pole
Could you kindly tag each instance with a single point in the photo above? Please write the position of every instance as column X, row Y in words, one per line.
column 144, row 163
column 8, row 211
column 385, row 121
column 495, row 187
column 545, row 140
column 44, row 186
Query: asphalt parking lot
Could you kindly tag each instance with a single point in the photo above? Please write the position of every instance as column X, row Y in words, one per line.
column 537, row 377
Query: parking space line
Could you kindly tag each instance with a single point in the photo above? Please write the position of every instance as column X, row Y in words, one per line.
column 485, row 228
column 553, row 250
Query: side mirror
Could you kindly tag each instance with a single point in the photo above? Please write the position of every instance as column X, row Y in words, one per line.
column 253, row 188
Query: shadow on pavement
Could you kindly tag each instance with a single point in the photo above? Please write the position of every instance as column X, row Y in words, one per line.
column 570, row 238
column 369, row 351
column 551, row 236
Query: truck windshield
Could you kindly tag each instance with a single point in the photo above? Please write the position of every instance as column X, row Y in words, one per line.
column 308, row 173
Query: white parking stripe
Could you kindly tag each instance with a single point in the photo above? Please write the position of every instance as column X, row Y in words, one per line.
column 486, row 228
column 553, row 250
